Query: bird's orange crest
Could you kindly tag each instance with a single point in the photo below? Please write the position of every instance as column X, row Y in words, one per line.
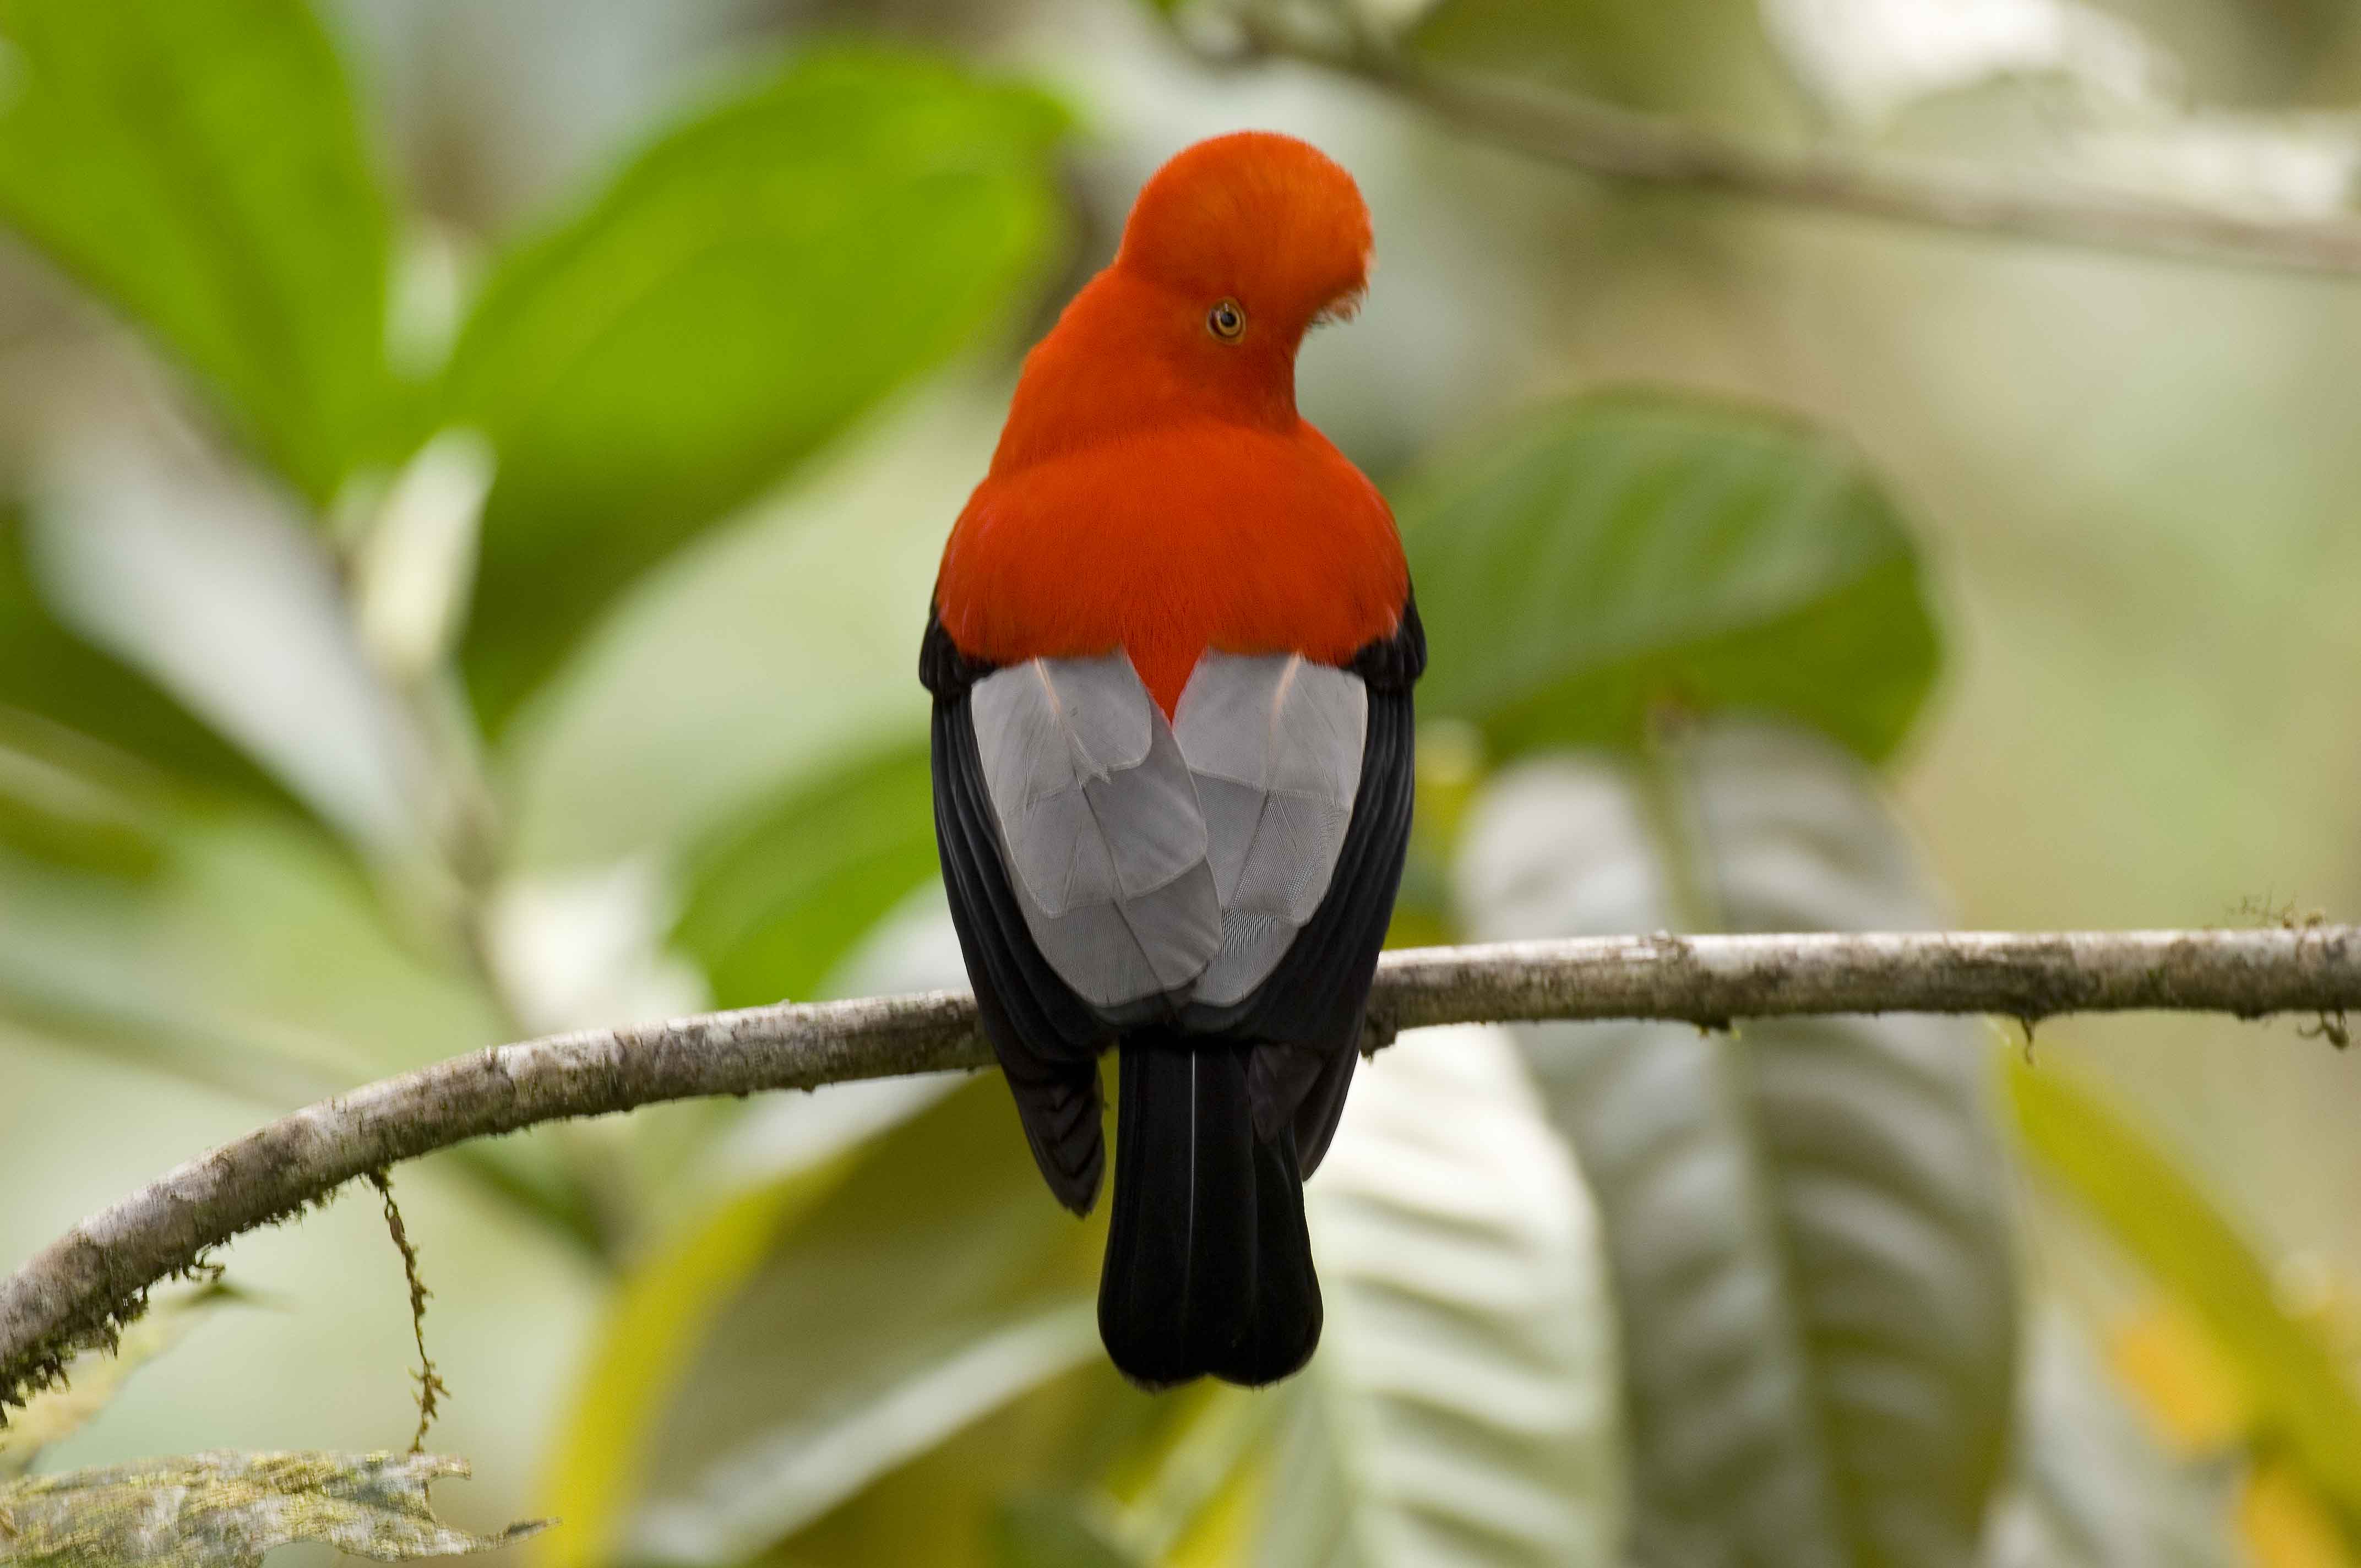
column 1266, row 218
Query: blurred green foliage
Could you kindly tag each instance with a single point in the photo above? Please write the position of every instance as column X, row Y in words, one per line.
column 200, row 167
column 1700, row 59
column 1597, row 1294
column 777, row 901
column 2301, row 1404
column 819, row 239
column 60, row 686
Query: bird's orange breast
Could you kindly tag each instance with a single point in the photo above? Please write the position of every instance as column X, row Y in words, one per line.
column 1170, row 542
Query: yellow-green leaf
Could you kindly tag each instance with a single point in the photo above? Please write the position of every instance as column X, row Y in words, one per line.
column 2303, row 1401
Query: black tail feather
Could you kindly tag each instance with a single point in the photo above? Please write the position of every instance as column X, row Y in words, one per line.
column 1060, row 1108
column 1303, row 1088
column 1208, row 1262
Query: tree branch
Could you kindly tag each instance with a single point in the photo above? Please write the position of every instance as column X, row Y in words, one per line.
column 1615, row 143
column 80, row 1288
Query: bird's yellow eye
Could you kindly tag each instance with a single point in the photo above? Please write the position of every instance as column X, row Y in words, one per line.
column 1226, row 321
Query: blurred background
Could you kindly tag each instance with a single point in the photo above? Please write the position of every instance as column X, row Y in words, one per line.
column 470, row 477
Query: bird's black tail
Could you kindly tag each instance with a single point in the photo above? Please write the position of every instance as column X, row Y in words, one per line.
column 1208, row 1263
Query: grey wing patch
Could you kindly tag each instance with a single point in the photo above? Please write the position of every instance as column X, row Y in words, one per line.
column 1099, row 822
column 1274, row 742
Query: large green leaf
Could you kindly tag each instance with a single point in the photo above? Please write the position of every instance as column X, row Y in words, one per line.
column 2306, row 1403
column 1462, row 1407
column 1806, row 1219
column 87, row 695
column 197, row 163
column 2088, row 1487
column 806, row 615
column 204, row 580
column 1629, row 552
column 777, row 900
column 744, row 288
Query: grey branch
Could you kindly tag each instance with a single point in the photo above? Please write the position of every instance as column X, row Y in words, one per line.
column 75, row 1291
column 1615, row 143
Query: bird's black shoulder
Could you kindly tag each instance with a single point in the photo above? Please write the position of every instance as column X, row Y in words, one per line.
column 1393, row 665
column 945, row 671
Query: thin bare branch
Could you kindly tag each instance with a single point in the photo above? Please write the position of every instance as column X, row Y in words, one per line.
column 1616, row 142
column 76, row 1292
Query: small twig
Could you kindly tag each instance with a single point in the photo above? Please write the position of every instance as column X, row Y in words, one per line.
column 430, row 1386
column 88, row 1278
column 1614, row 143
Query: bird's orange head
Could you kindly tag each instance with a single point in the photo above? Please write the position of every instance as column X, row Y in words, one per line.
column 1234, row 250
column 1269, row 224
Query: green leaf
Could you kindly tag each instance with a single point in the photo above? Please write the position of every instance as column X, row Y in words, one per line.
column 199, row 166
column 746, row 287
column 1625, row 554
column 802, row 614
column 820, row 1334
column 2305, row 1401
column 779, row 898
column 1807, row 1220
column 59, row 803
column 2089, row 1489
column 49, row 673
column 1463, row 1407
column 225, row 1510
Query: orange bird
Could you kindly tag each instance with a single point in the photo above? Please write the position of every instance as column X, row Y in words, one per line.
column 1171, row 656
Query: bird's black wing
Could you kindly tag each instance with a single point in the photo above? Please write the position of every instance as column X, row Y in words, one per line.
column 1047, row 1037
column 1307, row 1016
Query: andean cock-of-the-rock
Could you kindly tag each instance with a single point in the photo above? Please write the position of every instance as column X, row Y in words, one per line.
column 1172, row 654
